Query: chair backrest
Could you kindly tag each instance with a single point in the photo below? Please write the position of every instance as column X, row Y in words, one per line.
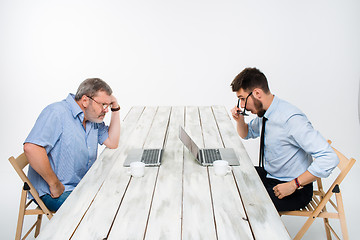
column 344, row 165
column 19, row 164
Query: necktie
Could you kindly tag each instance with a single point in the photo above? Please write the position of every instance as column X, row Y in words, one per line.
column 262, row 136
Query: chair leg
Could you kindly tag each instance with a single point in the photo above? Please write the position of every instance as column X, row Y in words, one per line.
column 38, row 225
column 341, row 211
column 327, row 230
column 326, row 224
column 21, row 215
column 305, row 227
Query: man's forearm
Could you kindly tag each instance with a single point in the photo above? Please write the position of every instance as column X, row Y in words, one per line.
column 285, row 189
column 242, row 128
column 306, row 178
column 114, row 131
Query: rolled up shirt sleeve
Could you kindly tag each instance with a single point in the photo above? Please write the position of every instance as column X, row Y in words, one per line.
column 313, row 143
column 254, row 127
column 103, row 132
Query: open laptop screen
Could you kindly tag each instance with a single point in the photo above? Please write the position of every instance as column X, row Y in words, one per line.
column 189, row 143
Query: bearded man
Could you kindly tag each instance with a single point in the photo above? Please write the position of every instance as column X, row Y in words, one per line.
column 288, row 142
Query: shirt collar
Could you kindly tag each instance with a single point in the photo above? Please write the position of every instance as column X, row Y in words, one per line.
column 272, row 107
column 74, row 107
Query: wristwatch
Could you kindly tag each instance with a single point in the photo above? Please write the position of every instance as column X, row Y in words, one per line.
column 298, row 186
column 115, row 109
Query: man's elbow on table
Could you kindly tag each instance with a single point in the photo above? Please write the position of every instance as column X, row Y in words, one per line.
column 243, row 136
column 111, row 144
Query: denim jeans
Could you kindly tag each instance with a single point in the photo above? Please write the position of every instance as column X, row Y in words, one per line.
column 53, row 204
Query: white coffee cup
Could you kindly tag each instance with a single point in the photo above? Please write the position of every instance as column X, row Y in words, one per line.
column 221, row 167
column 137, row 169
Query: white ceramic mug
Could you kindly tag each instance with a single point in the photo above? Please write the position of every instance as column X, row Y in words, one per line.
column 137, row 169
column 221, row 167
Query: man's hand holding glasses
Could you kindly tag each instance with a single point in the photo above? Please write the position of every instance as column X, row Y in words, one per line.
column 236, row 111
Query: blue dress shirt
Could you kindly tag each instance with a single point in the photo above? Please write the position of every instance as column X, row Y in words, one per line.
column 291, row 143
column 71, row 149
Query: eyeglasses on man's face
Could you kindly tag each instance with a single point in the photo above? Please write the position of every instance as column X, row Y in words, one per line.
column 238, row 105
column 104, row 105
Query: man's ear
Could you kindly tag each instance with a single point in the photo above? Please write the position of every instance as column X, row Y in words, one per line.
column 84, row 101
column 257, row 93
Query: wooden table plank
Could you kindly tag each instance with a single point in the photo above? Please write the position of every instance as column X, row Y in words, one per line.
column 166, row 206
column 263, row 217
column 229, row 213
column 198, row 218
column 73, row 209
column 131, row 220
column 166, row 211
column 100, row 216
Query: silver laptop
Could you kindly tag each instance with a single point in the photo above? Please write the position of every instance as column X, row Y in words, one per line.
column 205, row 156
column 151, row 157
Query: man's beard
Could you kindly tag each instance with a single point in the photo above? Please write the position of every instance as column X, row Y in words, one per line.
column 259, row 107
column 91, row 117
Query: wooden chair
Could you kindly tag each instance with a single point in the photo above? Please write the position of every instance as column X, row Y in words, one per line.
column 317, row 207
column 19, row 164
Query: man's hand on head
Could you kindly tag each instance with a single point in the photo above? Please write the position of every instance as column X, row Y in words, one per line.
column 114, row 103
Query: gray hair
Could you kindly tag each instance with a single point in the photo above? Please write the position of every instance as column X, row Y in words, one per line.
column 91, row 86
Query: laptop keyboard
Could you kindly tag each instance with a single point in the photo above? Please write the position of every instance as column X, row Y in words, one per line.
column 211, row 155
column 150, row 156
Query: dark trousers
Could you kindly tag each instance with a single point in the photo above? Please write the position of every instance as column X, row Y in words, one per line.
column 299, row 199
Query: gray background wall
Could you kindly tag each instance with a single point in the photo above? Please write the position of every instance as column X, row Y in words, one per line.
column 181, row 53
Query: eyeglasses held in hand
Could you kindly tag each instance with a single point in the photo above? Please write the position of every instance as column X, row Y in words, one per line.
column 238, row 105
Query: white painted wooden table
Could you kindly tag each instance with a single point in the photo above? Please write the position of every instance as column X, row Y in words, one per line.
column 178, row 200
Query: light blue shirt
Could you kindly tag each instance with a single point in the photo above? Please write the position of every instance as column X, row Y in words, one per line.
column 71, row 149
column 291, row 143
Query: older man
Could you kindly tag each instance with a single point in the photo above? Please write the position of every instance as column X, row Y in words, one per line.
column 63, row 143
column 288, row 142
